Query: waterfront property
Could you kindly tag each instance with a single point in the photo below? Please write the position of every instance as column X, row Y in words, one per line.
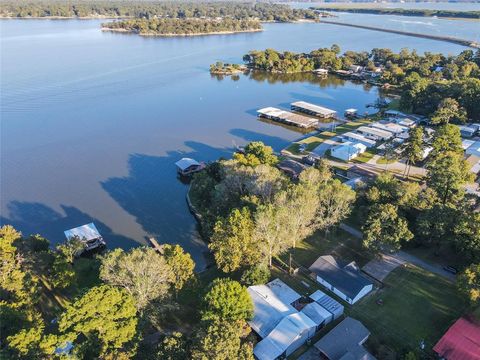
column 87, row 234
column 347, row 151
column 321, row 72
column 291, row 167
column 345, row 341
column 312, row 109
column 187, row 166
column 287, row 117
column 345, row 280
column 395, row 129
column 374, row 134
column 359, row 138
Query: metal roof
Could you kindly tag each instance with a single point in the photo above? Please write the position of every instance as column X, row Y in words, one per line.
column 315, row 108
column 460, row 342
column 289, row 329
column 346, row 279
column 317, row 313
column 85, row 232
column 272, row 302
column 185, row 163
column 328, row 303
column 376, row 132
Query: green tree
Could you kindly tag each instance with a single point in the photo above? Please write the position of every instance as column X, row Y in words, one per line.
column 173, row 347
column 446, row 138
column 227, row 300
column 447, row 173
column 413, row 149
column 141, row 271
column 434, row 225
column 449, row 110
column 469, row 283
column 335, row 204
column 71, row 248
column 105, row 313
column 18, row 287
column 220, row 340
column 256, row 275
column 232, row 241
column 385, row 229
column 181, row 264
column 271, row 234
column 467, row 234
column 256, row 153
column 62, row 274
column 33, row 343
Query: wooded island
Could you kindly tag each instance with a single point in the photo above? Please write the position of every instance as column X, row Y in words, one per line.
column 177, row 27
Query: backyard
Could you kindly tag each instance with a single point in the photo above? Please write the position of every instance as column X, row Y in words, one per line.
column 417, row 305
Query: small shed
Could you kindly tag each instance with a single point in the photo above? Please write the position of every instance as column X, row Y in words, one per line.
column 328, row 303
column 187, row 166
column 88, row 234
column 319, row 315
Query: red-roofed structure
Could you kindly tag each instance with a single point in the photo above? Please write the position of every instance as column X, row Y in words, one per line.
column 460, row 342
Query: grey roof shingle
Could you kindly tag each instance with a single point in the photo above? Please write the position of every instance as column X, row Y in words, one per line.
column 347, row 279
column 344, row 341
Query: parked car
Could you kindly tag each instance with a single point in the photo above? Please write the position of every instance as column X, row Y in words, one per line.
column 450, row 269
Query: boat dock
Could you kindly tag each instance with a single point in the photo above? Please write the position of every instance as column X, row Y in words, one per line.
column 158, row 248
column 312, row 109
column 287, row 117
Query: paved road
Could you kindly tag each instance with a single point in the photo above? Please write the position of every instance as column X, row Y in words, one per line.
column 403, row 256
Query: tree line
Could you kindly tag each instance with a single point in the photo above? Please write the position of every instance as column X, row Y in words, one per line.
column 252, row 213
column 404, row 12
column 149, row 10
column 182, row 27
column 108, row 305
column 424, row 81
column 438, row 214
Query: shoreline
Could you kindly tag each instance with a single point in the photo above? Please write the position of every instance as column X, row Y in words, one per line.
column 179, row 35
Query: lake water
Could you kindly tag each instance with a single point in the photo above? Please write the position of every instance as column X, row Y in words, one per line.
column 92, row 123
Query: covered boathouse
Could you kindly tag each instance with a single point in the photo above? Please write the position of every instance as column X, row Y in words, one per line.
column 88, row 235
column 287, row 117
column 312, row 109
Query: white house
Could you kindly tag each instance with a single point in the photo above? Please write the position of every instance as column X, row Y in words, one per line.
column 347, row 151
column 374, row 134
column 281, row 326
column 359, row 138
column 346, row 281
column 394, row 128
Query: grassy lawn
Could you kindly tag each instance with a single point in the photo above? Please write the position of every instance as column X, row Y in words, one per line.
column 383, row 160
column 364, row 157
column 337, row 243
column 418, row 305
column 315, row 140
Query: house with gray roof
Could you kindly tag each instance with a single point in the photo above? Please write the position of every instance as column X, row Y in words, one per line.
column 345, row 342
column 346, row 281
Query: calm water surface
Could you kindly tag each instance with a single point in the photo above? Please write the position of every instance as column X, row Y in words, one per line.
column 92, row 122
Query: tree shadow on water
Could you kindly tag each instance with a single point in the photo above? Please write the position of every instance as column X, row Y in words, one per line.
column 154, row 195
column 37, row 218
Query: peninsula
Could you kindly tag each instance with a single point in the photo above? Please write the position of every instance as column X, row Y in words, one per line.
column 177, row 27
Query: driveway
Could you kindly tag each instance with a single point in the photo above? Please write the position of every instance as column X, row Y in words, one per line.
column 321, row 149
column 404, row 257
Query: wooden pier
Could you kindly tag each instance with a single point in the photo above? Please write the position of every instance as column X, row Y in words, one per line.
column 156, row 245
